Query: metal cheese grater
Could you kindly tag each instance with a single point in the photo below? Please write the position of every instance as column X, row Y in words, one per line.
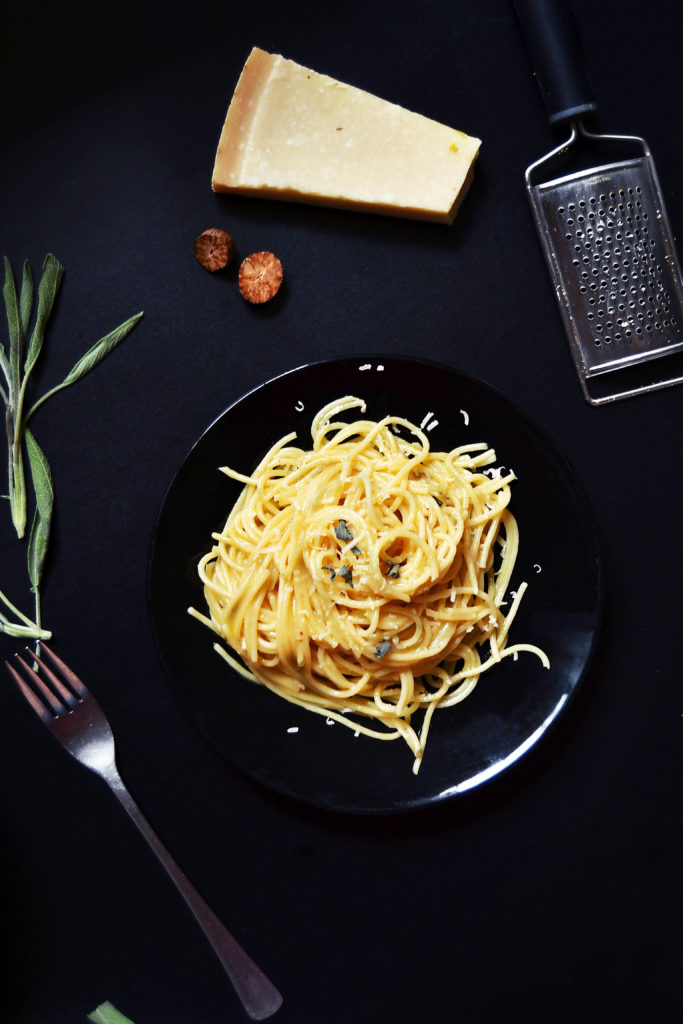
column 604, row 228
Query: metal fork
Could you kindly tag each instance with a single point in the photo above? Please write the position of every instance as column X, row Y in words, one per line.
column 73, row 716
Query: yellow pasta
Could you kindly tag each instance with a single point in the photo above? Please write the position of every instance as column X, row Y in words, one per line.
column 366, row 578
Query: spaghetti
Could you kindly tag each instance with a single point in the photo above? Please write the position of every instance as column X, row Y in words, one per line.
column 365, row 578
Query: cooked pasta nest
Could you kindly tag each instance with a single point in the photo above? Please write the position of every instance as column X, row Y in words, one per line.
column 367, row 578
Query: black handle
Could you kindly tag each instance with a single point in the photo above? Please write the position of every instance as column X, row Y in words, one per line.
column 554, row 45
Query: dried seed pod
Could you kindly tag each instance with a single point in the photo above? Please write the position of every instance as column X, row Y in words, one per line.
column 214, row 249
column 260, row 277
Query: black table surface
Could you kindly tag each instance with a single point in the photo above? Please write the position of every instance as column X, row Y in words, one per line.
column 553, row 895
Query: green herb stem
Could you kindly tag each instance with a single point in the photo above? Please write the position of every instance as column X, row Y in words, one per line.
column 25, row 629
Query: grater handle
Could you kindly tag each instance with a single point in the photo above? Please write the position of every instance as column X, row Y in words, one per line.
column 552, row 38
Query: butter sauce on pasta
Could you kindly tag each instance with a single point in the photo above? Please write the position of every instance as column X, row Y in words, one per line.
column 366, row 578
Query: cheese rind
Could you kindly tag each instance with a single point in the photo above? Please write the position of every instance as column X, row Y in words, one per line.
column 293, row 134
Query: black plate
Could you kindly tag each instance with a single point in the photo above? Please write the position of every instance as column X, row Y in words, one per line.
column 513, row 705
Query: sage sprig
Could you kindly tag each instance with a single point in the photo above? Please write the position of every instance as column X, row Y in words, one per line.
column 17, row 362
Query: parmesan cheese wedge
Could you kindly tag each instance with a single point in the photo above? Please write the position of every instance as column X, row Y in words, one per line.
column 293, row 134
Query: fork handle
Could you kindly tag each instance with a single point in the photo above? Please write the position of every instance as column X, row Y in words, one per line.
column 258, row 995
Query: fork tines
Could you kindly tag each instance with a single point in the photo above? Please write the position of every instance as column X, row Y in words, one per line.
column 47, row 693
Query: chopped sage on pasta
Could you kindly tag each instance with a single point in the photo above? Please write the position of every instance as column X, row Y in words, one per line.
column 346, row 574
column 342, row 531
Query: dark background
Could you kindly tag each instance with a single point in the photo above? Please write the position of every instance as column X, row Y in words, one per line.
column 553, row 895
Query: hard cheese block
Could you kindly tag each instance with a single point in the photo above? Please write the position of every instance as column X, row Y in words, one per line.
column 291, row 133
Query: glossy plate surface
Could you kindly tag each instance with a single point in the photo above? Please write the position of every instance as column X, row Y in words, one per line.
column 514, row 704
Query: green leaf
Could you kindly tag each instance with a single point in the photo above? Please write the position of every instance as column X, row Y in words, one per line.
column 92, row 358
column 40, row 474
column 37, row 550
column 346, row 574
column 101, row 349
column 5, row 367
column 26, row 298
column 342, row 532
column 14, row 323
column 17, row 482
column 47, row 293
column 44, row 491
column 106, row 1013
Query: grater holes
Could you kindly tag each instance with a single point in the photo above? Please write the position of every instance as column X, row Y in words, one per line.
column 618, row 272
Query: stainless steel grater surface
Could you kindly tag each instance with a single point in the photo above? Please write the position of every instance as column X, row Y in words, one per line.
column 604, row 230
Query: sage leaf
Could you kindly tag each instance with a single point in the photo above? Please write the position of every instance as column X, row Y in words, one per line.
column 44, row 492
column 92, row 358
column 17, row 480
column 342, row 531
column 4, row 366
column 346, row 574
column 37, row 550
column 48, row 288
column 14, row 324
column 99, row 350
column 26, row 298
column 40, row 475
column 106, row 1013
